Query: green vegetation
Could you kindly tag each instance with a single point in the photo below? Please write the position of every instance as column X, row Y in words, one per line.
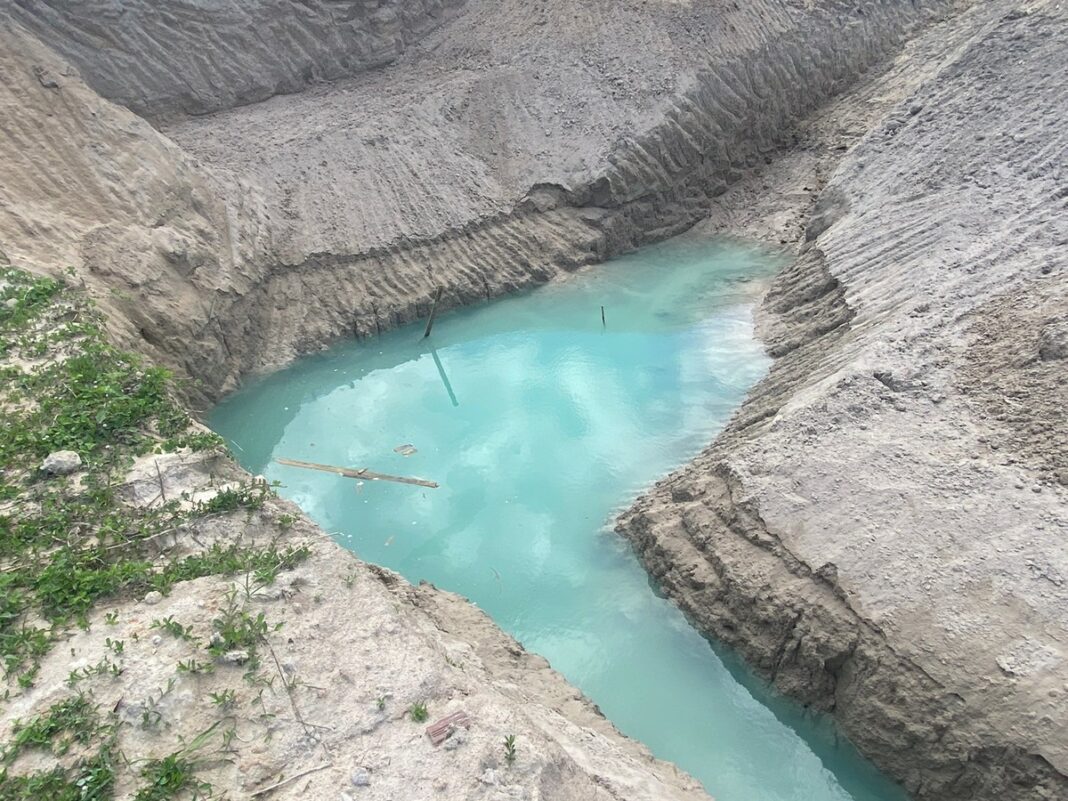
column 224, row 700
column 174, row 776
column 509, row 749
column 169, row 778
column 70, row 542
column 418, row 712
column 194, row 667
column 237, row 630
column 73, row 720
column 88, row 780
column 174, row 628
column 66, row 545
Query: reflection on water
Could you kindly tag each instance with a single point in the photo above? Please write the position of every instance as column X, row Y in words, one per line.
column 539, row 421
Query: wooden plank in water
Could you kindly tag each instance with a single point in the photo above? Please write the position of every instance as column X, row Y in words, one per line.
column 349, row 472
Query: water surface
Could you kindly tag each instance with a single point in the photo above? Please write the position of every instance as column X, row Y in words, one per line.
column 540, row 421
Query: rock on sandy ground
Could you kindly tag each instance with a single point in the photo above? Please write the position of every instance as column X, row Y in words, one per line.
column 882, row 530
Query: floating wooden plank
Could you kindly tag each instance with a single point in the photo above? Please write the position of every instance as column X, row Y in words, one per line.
column 442, row 730
column 349, row 472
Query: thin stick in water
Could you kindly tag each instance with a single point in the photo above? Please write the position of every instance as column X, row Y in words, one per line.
column 433, row 311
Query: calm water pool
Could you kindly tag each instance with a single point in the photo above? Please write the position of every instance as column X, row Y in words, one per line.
column 540, row 422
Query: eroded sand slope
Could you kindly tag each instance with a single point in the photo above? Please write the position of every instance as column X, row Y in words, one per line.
column 189, row 57
column 513, row 142
column 882, row 529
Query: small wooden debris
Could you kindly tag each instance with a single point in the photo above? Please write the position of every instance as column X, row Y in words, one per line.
column 293, row 778
column 442, row 730
column 405, row 450
column 361, row 472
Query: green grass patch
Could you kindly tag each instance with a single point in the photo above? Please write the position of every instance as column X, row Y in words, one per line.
column 89, row 780
column 73, row 720
column 174, row 776
column 65, row 545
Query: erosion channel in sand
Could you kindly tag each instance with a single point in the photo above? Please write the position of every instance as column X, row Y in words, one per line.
column 539, row 421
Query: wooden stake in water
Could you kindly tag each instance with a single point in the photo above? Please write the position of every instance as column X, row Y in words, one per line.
column 603, row 323
column 433, row 311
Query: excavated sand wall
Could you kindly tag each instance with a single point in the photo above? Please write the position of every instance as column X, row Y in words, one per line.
column 866, row 532
column 651, row 188
column 202, row 282
column 188, row 57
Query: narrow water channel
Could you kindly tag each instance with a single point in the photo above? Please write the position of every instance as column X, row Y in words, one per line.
column 540, row 422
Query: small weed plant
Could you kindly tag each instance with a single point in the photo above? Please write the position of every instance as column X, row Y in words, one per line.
column 418, row 712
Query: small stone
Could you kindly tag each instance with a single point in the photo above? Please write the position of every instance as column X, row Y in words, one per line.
column 61, row 463
column 455, row 740
column 489, row 776
column 361, row 777
column 235, row 657
column 153, row 598
column 346, row 797
column 157, row 641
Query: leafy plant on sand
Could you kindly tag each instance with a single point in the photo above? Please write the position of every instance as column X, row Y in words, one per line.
column 418, row 712
column 174, row 775
column 67, row 544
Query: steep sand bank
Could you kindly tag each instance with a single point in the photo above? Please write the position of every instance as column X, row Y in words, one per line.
column 510, row 144
column 881, row 530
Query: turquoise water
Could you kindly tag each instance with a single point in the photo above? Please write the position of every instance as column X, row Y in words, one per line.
column 540, row 422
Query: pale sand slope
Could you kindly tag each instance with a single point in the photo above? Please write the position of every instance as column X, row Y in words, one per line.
column 514, row 141
column 883, row 528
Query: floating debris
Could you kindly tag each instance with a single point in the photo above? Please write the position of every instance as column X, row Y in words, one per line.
column 351, row 472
